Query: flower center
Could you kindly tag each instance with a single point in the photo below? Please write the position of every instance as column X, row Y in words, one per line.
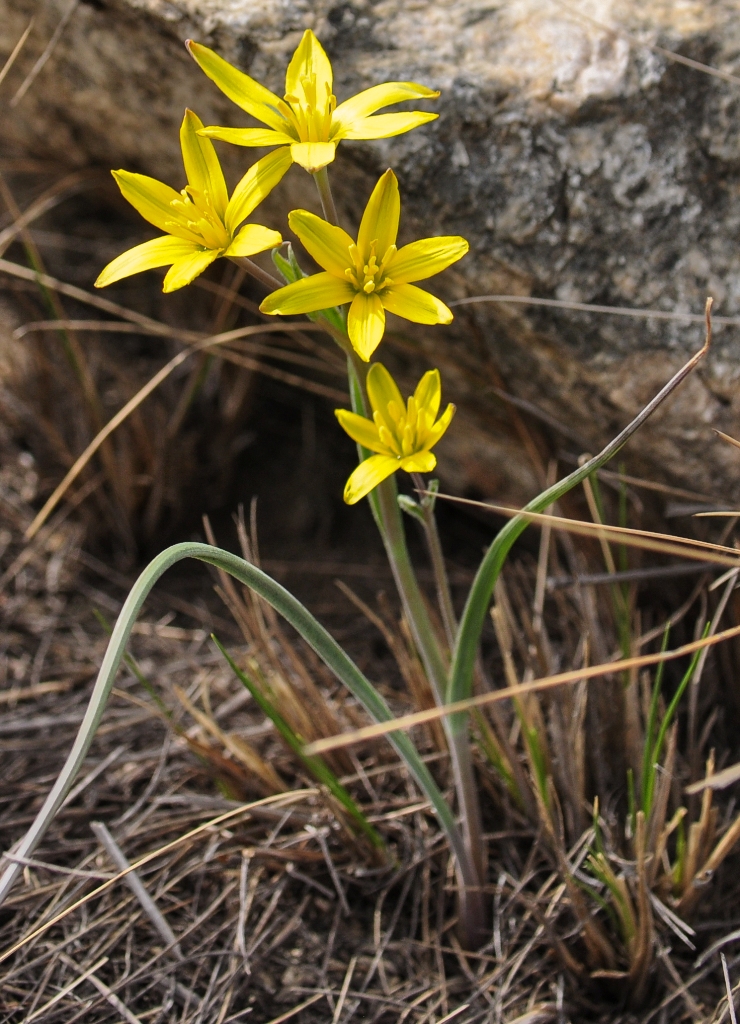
column 310, row 114
column 402, row 431
column 196, row 209
column 369, row 277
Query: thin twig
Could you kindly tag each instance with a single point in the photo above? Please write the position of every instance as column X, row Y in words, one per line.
column 103, row 989
column 278, row 799
column 677, row 58
column 136, row 886
column 586, row 307
column 48, row 50
column 728, row 986
column 133, row 403
column 16, row 50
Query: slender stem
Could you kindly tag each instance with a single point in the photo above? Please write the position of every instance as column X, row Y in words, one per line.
column 346, row 346
column 472, row 908
column 408, row 588
column 444, row 597
column 263, row 276
column 469, row 860
column 327, row 199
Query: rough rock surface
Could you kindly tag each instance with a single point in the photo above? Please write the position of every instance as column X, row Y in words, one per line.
column 581, row 164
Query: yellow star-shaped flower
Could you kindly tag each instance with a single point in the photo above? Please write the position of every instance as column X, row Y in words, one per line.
column 400, row 435
column 371, row 273
column 201, row 222
column 308, row 119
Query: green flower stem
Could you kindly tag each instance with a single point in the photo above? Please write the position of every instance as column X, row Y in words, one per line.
column 327, row 199
column 472, row 909
column 384, row 505
column 440, row 574
column 429, row 522
column 263, row 276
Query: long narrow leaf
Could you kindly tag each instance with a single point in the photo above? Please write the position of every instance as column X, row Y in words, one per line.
column 476, row 606
column 316, row 765
column 304, row 623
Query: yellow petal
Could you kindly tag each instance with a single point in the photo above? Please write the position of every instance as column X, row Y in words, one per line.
column 247, row 136
column 202, row 166
column 240, row 88
column 150, row 197
column 421, row 462
column 361, row 430
column 365, row 323
column 309, row 60
column 415, row 304
column 382, row 390
column 253, row 238
column 428, row 393
column 368, row 475
column 384, row 126
column 320, row 291
column 439, row 427
column 370, row 100
column 327, row 243
column 313, row 155
column 158, row 252
column 257, row 183
column 380, row 219
column 187, row 269
column 419, row 260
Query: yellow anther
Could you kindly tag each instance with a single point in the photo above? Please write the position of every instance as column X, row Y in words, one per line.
column 368, row 287
column 394, row 412
column 386, row 437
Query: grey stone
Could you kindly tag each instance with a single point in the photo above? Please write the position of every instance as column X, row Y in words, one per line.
column 581, row 165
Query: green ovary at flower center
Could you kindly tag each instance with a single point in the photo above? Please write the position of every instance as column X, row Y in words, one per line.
column 370, row 277
column 203, row 223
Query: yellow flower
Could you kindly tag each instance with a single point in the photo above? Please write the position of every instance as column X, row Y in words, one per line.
column 371, row 274
column 400, row 435
column 308, row 119
column 201, row 222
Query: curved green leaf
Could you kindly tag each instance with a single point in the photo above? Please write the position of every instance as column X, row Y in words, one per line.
column 476, row 606
column 304, row 623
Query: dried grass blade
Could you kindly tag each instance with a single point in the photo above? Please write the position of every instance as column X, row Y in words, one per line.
column 106, row 992
column 48, row 50
column 66, row 990
column 207, row 826
column 547, row 683
column 15, row 52
column 128, row 408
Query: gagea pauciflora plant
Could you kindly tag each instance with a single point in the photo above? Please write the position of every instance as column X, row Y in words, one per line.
column 364, row 275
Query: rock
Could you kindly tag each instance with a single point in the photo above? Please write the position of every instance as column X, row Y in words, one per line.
column 580, row 163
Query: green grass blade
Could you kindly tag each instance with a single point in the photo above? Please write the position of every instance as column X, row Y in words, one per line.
column 315, row 765
column 648, row 766
column 668, row 718
column 304, row 623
